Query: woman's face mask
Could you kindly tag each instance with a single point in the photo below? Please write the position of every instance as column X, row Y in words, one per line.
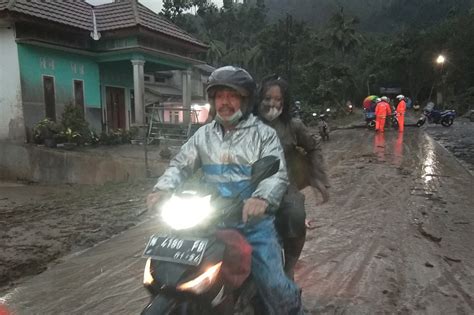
column 271, row 106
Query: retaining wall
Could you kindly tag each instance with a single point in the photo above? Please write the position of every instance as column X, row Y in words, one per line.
column 56, row 166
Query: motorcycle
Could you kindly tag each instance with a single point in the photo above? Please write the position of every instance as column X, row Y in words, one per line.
column 350, row 108
column 445, row 118
column 188, row 268
column 369, row 119
column 323, row 127
column 393, row 120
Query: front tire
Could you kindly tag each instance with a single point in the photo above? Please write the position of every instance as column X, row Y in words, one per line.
column 395, row 124
column 447, row 121
column 160, row 305
column 371, row 125
column 163, row 305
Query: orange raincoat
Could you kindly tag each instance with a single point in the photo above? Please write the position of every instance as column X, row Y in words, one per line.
column 381, row 111
column 401, row 108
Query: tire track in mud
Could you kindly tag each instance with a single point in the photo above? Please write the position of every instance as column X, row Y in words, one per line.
column 346, row 281
column 343, row 279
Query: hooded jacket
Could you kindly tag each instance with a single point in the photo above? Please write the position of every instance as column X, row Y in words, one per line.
column 226, row 160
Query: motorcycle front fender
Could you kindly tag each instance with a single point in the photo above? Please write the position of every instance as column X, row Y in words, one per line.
column 160, row 305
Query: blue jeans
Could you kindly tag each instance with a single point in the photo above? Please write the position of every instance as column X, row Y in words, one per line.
column 280, row 295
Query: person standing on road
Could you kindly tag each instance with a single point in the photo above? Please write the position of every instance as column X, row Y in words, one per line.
column 274, row 109
column 401, row 108
column 225, row 149
column 381, row 111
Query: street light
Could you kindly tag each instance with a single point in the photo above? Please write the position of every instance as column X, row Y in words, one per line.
column 440, row 60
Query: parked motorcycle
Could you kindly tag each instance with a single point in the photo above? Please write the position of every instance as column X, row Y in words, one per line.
column 445, row 117
column 369, row 119
column 188, row 270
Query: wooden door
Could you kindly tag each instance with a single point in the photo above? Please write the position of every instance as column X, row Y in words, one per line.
column 49, row 97
column 79, row 94
column 115, row 99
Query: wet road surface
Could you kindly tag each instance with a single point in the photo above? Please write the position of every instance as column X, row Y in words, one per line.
column 396, row 237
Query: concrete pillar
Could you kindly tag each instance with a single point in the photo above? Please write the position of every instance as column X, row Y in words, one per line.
column 187, row 88
column 139, row 91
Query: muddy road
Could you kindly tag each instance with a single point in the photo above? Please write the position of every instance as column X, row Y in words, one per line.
column 396, row 237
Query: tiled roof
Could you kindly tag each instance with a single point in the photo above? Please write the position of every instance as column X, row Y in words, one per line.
column 155, row 22
column 127, row 13
column 110, row 16
column 3, row 4
column 73, row 13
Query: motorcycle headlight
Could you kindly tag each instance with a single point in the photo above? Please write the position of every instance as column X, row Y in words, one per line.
column 203, row 282
column 185, row 212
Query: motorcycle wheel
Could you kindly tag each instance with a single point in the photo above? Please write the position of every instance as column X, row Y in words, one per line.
column 395, row 124
column 162, row 305
column 371, row 125
column 446, row 122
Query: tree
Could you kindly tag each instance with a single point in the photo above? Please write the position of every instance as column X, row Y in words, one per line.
column 341, row 34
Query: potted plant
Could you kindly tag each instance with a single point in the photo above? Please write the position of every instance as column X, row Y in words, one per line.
column 45, row 132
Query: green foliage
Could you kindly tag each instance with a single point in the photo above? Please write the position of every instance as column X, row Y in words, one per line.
column 117, row 136
column 45, row 129
column 75, row 128
column 337, row 62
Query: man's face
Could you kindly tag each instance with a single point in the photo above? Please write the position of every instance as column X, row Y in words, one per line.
column 228, row 102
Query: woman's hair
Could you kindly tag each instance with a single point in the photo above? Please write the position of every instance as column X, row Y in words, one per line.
column 268, row 82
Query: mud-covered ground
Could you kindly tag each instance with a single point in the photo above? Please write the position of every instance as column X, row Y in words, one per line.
column 395, row 237
column 40, row 223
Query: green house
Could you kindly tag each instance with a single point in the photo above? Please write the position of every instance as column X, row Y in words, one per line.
column 70, row 52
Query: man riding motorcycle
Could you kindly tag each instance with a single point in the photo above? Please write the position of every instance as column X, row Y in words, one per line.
column 224, row 149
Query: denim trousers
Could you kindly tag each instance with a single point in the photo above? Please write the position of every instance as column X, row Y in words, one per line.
column 280, row 295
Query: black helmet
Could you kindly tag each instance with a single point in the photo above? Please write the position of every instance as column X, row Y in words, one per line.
column 232, row 77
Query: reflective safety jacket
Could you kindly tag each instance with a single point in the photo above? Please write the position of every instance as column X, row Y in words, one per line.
column 226, row 160
column 382, row 109
column 401, row 108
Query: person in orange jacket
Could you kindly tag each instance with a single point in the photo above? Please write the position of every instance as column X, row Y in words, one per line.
column 401, row 108
column 381, row 111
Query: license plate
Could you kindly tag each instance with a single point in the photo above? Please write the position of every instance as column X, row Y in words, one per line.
column 180, row 250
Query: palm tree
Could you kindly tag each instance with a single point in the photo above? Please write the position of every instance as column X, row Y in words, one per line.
column 342, row 35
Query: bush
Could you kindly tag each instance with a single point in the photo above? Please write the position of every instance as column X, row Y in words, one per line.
column 45, row 129
column 75, row 128
column 117, row 136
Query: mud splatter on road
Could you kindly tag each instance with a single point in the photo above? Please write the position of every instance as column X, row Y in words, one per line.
column 395, row 238
column 390, row 239
column 41, row 223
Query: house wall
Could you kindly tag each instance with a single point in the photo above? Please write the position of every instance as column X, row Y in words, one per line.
column 12, row 125
column 65, row 67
